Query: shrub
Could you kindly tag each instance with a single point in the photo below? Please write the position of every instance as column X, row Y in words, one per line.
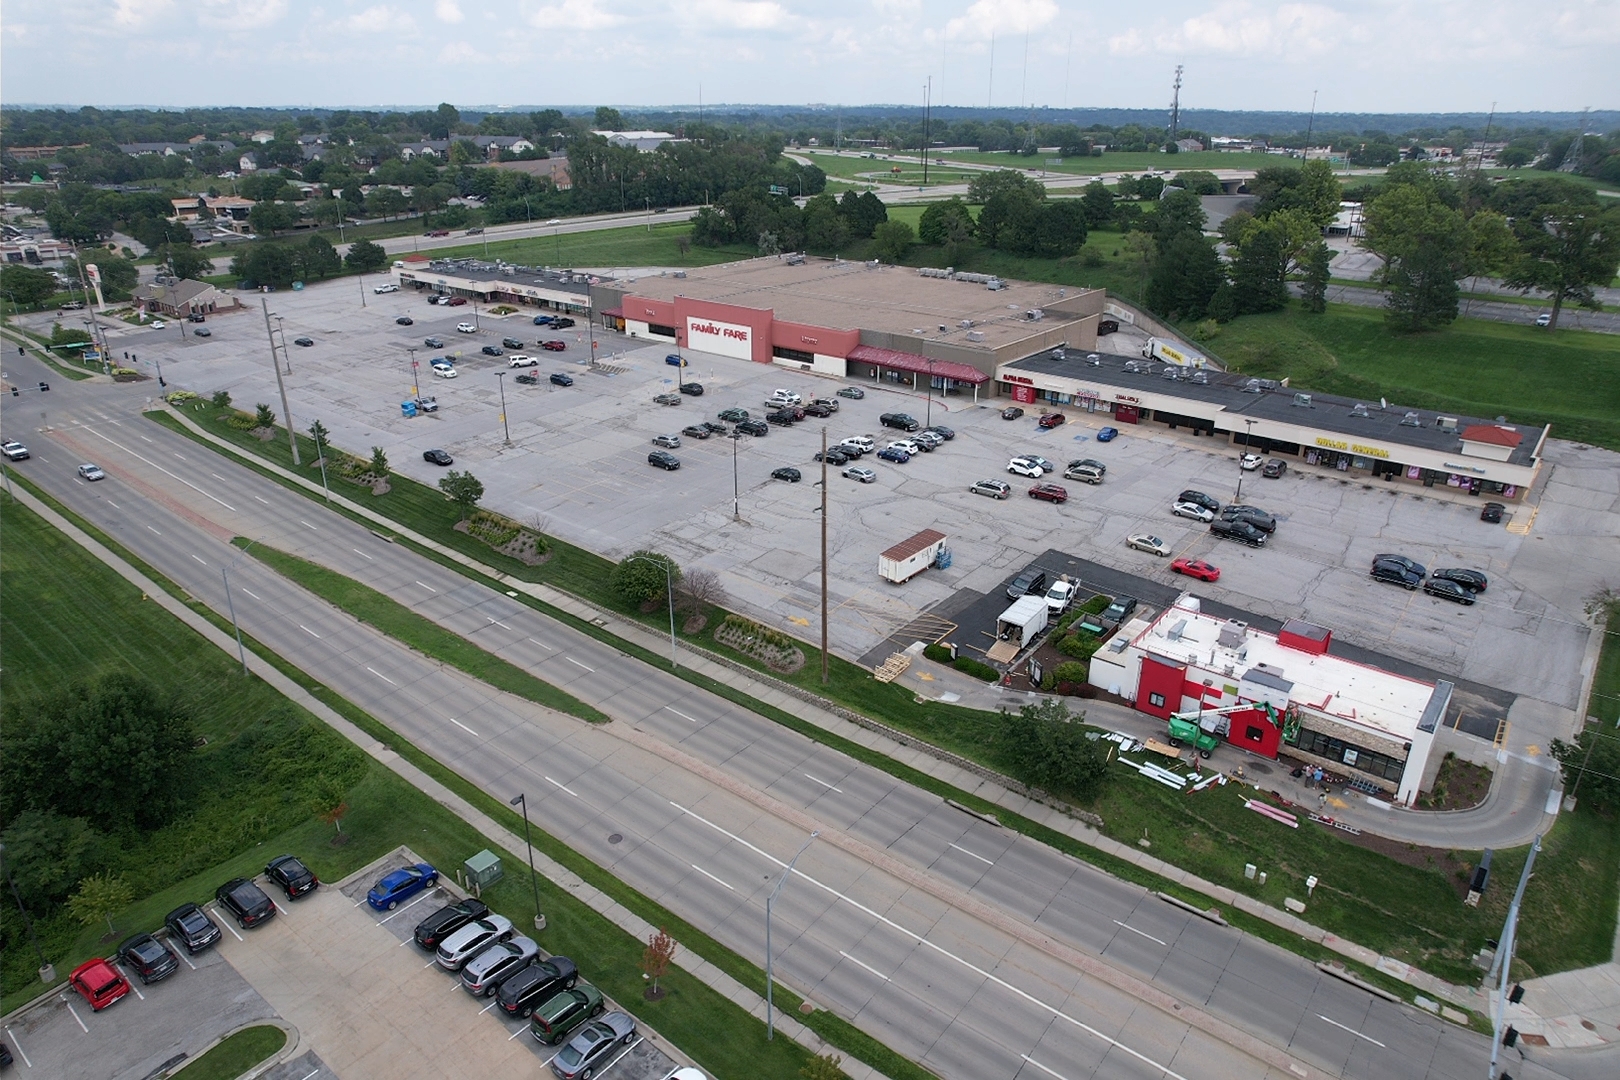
column 1048, row 681
column 644, row 575
column 220, row 400
column 939, row 654
column 1096, row 605
column 180, row 397
column 978, row 669
column 241, row 421
column 1070, row 671
column 264, row 416
column 1080, row 646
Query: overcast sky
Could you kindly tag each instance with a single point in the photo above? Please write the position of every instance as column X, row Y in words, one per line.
column 1362, row 55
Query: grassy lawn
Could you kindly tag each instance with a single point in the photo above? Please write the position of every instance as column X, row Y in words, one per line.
column 236, row 1055
column 630, row 246
column 115, row 626
column 1570, row 379
column 1400, row 910
column 1605, row 703
column 1124, row 163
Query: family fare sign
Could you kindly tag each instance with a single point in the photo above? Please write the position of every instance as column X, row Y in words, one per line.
column 727, row 339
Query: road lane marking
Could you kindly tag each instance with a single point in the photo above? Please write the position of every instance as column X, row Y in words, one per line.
column 571, row 660
column 429, row 588
column 824, row 784
column 680, row 714
column 70, row 1009
column 565, row 787
column 178, row 454
column 708, row 875
column 218, row 477
column 263, row 500
column 115, row 506
column 12, row 1035
column 381, row 676
column 145, row 439
column 154, row 530
column 1353, row 1031
column 941, row 950
column 162, row 470
column 971, row 855
column 201, row 560
column 362, row 554
column 868, row 967
column 543, row 645
column 1134, row 930
column 308, row 631
column 307, row 525
column 254, row 597
column 465, row 728
column 498, row 623
column 1043, row 1068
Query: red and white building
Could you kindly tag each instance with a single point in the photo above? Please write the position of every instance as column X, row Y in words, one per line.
column 1354, row 720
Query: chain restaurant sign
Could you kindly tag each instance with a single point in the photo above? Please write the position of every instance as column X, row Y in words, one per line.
column 727, row 339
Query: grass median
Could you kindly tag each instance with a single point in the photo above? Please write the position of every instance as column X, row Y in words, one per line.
column 236, row 1054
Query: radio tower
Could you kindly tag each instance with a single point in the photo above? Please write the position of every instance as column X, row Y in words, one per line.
column 1572, row 158
column 1175, row 105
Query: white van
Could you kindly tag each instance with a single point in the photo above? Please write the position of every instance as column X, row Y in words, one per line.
column 784, row 397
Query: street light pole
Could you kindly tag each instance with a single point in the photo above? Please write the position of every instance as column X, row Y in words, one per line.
column 669, row 582
column 736, row 508
column 534, row 880
column 416, row 391
column 225, row 572
column 501, row 375
column 286, row 410
column 1248, row 433
column 770, row 904
column 320, row 456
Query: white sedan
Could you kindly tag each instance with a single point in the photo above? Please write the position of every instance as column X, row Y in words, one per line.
column 466, row 328
column 1194, row 511
column 1151, row 544
column 1250, row 462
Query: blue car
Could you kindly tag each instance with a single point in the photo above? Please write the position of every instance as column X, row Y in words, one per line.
column 894, row 454
column 1106, row 434
column 544, row 320
column 401, row 884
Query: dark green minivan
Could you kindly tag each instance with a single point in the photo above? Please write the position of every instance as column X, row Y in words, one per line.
column 556, row 1017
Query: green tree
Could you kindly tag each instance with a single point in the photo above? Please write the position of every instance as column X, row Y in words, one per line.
column 328, row 801
column 893, row 240
column 1178, row 212
column 48, row 854
column 1313, row 288
column 608, row 119
column 935, row 226
column 1422, row 290
column 28, row 285
column 318, row 259
column 270, row 218
column 100, row 896
column 1259, row 274
column 1591, row 767
column 1425, row 246
column 1574, row 249
column 1050, row 750
column 825, row 229
column 1098, row 204
column 264, row 416
column 444, row 121
column 386, row 202
column 1319, row 193
column 656, row 957
column 186, row 261
column 1223, row 306
column 462, row 488
column 986, row 185
column 1199, row 182
column 644, row 575
column 118, row 274
column 1184, row 277
column 379, row 462
column 365, row 257
column 322, row 437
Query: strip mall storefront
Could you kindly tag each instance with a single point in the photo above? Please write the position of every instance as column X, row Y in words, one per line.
column 742, row 333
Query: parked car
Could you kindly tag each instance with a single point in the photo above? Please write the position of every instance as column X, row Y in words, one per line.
column 1472, row 580
column 438, row 457
column 562, row 322
column 1026, row 466
column 860, row 474
column 910, row 446
column 405, row 320
column 1250, row 462
column 857, row 445
column 1410, row 565
column 1273, row 468
column 14, row 450
column 1031, row 582
column 493, row 350
column 828, row 403
column 1118, row 611
column 1397, row 574
column 554, row 345
column 431, row 932
column 1055, row 493
column 1251, row 514
column 781, row 396
column 1446, row 589
column 528, row 378
column 1196, row 568
column 1052, row 420
column 1107, row 434
column 458, row 301
column 512, row 343
column 1492, row 512
column 664, row 460
column 669, row 441
column 1149, row 543
column 466, row 328
column 715, row 429
column 387, row 287
column 517, row 360
column 91, row 472
column 733, row 415
column 833, row 456
column 788, row 473
column 190, row 926
column 1084, row 473
column 928, row 441
column 445, row 371
column 544, row 320
column 1107, row 326
column 591, row 1048
column 667, row 399
column 781, row 417
column 903, row 421
column 289, row 872
column 473, row 938
column 559, row 378
column 890, row 453
column 148, row 958
column 536, row 983
column 691, row 389
column 1059, row 597
column 854, row 393
column 820, row 412
column 942, row 431
column 696, row 431
column 303, row 341
column 1011, row 412
column 99, row 983
column 996, row 489
column 1208, row 503
column 436, row 299
column 433, row 342
column 202, row 331
column 483, row 974
column 397, row 886
column 1241, row 531
column 196, row 317
column 757, row 428
column 558, row 1015
column 1192, row 510
column 246, row 902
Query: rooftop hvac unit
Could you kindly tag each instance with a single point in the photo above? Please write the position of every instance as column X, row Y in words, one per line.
column 1411, row 420
column 933, row 272
column 680, row 273
column 1359, row 409
column 975, row 335
column 1303, row 401
column 975, row 279
column 796, row 259
column 965, row 324
column 1058, row 353
column 1446, row 423
column 995, row 285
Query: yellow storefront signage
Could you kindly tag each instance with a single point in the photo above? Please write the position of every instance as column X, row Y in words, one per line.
column 1354, row 448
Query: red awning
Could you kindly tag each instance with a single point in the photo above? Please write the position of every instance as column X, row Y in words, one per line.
column 614, row 313
column 923, row 365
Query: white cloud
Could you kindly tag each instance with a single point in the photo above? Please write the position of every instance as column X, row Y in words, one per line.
column 240, row 14
column 377, row 19
column 138, row 12
column 730, row 16
column 573, row 15
column 1237, row 28
column 448, row 11
column 1003, row 17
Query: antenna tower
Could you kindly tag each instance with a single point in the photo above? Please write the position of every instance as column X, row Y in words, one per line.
column 1175, row 105
column 1572, row 156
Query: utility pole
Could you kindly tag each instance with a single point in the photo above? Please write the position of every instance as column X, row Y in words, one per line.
column 1503, row 963
column 990, row 92
column 928, row 91
column 286, row 410
column 824, row 674
column 1310, row 125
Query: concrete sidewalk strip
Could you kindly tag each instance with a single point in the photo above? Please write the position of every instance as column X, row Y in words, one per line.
column 488, row 827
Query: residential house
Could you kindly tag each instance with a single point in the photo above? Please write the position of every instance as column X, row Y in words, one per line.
column 554, row 168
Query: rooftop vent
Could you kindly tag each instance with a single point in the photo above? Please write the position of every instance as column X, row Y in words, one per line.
column 1303, row 401
column 680, row 273
column 1199, row 378
column 1359, row 409
column 1411, row 420
column 975, row 335
column 1446, row 423
column 1232, row 634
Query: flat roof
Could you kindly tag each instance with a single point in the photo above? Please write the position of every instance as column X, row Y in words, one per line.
column 841, row 295
column 1356, row 694
column 1243, row 397
column 503, row 273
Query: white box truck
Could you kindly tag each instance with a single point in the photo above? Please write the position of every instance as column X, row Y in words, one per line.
column 1024, row 621
column 911, row 557
column 1173, row 352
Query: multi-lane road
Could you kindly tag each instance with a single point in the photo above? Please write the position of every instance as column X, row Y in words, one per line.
column 975, row 951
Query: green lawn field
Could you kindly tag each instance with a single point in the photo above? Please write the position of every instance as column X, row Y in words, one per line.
column 1122, row 163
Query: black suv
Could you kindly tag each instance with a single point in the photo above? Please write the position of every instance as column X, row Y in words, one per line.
column 1252, row 515
column 899, row 420
column 1447, row 589
column 493, row 350
column 1241, row 531
column 754, row 427
column 664, row 460
column 691, row 389
column 190, row 926
column 1119, row 610
column 246, row 902
column 294, row 877
column 1396, row 574
column 819, row 411
column 1198, row 497
column 529, row 987
column 1410, row 565
column 1492, row 512
column 1029, row 583
column 1472, row 580
column 148, row 958
column 784, row 417
column 431, row 931
column 512, row 343
column 561, row 322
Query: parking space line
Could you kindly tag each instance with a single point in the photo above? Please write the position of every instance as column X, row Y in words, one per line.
column 824, row 784
column 75, row 1013
column 312, row 1072
column 182, row 955
column 565, row 787
column 1134, row 930
column 708, row 875
column 431, row 963
column 407, row 907
column 12, row 1035
column 488, row 1007
column 518, row 1032
column 680, row 714
column 465, row 728
column 576, row 663
column 279, row 909
column 868, row 967
column 226, row 924
column 622, row 1055
column 971, row 855
column 543, row 645
column 142, row 996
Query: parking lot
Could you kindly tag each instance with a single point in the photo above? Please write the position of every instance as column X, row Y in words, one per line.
column 576, row 464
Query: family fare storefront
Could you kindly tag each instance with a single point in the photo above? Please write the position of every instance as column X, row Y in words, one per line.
column 1358, row 439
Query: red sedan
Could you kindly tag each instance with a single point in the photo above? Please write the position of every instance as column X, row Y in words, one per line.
column 1050, row 492
column 99, row 983
column 1052, row 420
column 1197, row 568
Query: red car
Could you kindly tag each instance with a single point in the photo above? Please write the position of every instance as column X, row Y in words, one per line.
column 1050, row 492
column 99, row 983
column 1197, row 568
column 437, row 232
column 1052, row 420
column 458, row 301
column 554, row 346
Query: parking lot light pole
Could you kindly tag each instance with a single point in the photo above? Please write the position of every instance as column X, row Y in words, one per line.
column 501, row 375
column 286, row 410
column 1248, row 433
column 770, row 904
column 534, row 880
column 669, row 582
column 736, row 509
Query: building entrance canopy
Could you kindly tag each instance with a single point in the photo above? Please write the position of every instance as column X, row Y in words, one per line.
column 922, row 365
